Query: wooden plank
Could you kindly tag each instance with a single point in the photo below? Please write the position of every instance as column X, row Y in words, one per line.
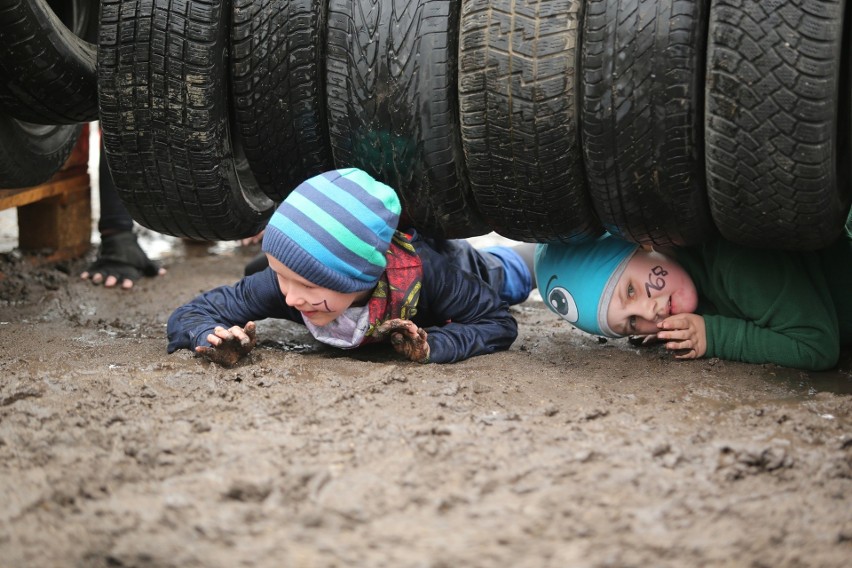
column 58, row 185
column 60, row 225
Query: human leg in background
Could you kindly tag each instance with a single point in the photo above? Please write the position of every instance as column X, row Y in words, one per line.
column 120, row 261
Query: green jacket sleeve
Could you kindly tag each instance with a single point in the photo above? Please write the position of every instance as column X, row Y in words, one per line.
column 768, row 307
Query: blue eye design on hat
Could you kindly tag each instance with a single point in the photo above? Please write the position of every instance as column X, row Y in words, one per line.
column 563, row 303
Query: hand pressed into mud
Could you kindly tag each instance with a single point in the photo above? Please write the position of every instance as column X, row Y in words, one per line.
column 407, row 339
column 229, row 345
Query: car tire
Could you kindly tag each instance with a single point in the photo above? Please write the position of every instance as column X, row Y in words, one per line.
column 31, row 153
column 393, row 111
column 642, row 119
column 519, row 115
column 777, row 121
column 277, row 73
column 163, row 93
column 47, row 64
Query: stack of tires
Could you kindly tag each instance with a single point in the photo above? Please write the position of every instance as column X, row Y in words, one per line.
column 48, row 86
column 666, row 122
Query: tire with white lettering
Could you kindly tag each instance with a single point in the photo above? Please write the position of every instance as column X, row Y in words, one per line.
column 31, row 153
column 277, row 72
column 642, row 118
column 47, row 62
column 519, row 114
column 163, row 92
column 392, row 107
column 778, row 121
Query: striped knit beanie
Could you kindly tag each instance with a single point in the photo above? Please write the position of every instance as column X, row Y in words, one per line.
column 334, row 230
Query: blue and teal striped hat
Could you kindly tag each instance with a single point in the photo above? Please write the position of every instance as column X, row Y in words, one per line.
column 335, row 229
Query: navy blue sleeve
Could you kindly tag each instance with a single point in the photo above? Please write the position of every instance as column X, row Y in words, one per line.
column 461, row 314
column 253, row 298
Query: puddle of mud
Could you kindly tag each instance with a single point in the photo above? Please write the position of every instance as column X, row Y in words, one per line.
column 806, row 385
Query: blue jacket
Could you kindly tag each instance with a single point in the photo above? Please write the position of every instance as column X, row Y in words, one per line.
column 460, row 311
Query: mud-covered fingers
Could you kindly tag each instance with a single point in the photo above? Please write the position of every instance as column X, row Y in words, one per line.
column 417, row 349
column 239, row 334
column 389, row 326
column 411, row 334
column 222, row 333
column 224, row 357
column 397, row 325
column 409, row 328
column 425, row 350
column 219, row 336
column 251, row 332
column 207, row 352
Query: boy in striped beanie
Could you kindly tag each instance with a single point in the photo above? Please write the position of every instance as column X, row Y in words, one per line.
column 338, row 265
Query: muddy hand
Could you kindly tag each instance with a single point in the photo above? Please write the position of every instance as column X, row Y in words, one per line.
column 407, row 339
column 229, row 345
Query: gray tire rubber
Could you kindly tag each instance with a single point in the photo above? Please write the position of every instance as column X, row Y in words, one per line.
column 393, row 111
column 777, row 121
column 47, row 64
column 519, row 115
column 642, row 119
column 163, row 92
column 277, row 76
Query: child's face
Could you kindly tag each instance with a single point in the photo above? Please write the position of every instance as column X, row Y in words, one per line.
column 651, row 288
column 319, row 305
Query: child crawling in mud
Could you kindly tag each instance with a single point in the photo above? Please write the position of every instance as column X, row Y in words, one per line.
column 338, row 265
column 717, row 300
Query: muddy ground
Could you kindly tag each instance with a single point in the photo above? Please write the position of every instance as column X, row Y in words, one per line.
column 560, row 452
